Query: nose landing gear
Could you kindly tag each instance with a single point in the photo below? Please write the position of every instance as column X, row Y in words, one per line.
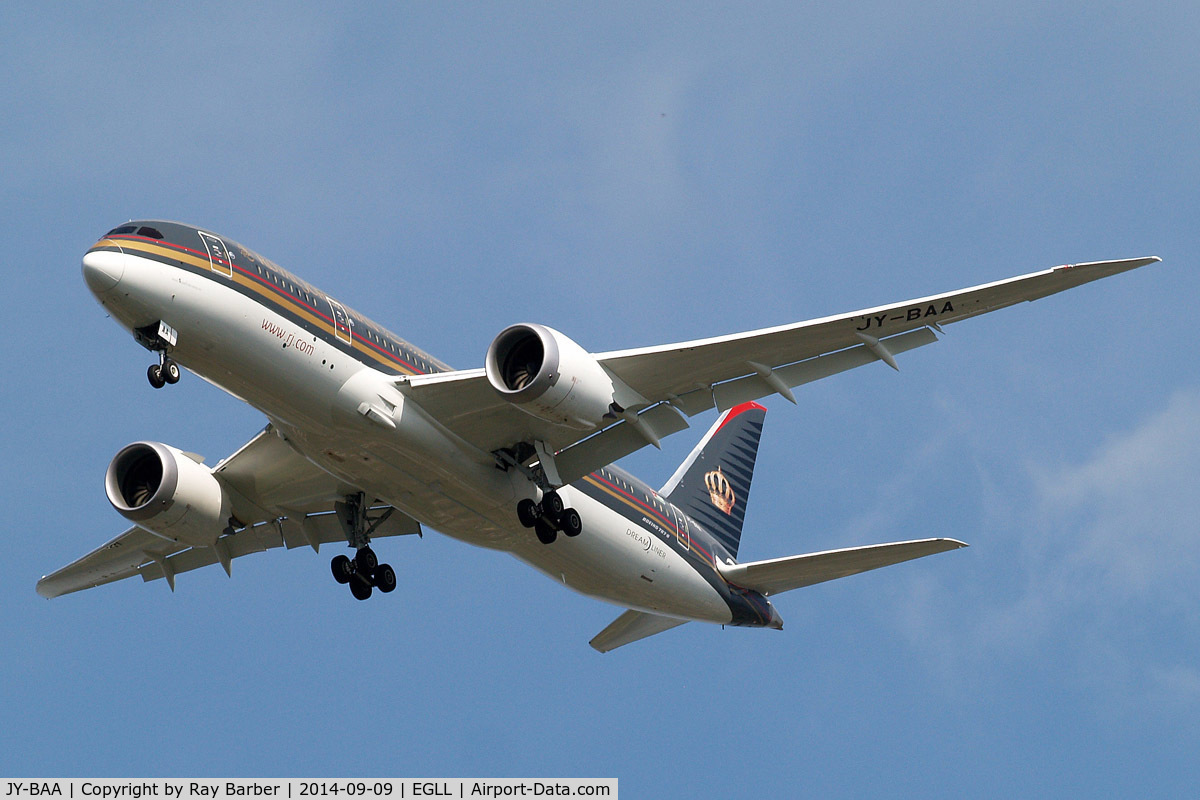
column 549, row 517
column 164, row 372
column 158, row 338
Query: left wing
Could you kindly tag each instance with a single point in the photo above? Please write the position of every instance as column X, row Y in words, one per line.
column 681, row 368
column 690, row 377
column 282, row 499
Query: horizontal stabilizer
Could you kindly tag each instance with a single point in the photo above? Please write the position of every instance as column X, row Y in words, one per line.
column 631, row 626
column 794, row 572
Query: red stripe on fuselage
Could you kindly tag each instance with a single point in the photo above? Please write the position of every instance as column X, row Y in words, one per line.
column 277, row 289
column 760, row 605
column 653, row 511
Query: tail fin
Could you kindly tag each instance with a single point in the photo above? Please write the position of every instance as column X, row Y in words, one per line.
column 712, row 485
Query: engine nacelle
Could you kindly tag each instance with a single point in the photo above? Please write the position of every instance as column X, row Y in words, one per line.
column 547, row 375
column 159, row 488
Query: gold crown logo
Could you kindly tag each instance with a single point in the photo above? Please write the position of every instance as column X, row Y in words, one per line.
column 719, row 490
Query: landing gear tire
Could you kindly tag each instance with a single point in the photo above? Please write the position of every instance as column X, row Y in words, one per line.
column 342, row 568
column 170, row 372
column 528, row 512
column 360, row 586
column 552, row 504
column 363, row 571
column 549, row 517
column 365, row 561
column 545, row 531
column 385, row 578
column 570, row 523
column 155, row 375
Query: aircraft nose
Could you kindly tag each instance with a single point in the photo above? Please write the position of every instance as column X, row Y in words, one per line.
column 103, row 269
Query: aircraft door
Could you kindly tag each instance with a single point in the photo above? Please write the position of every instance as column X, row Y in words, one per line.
column 219, row 256
column 342, row 324
column 681, row 524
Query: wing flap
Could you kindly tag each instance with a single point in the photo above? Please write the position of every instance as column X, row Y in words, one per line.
column 630, row 627
column 794, row 572
column 117, row 559
column 754, row 387
column 288, row 532
column 617, row 441
column 252, row 540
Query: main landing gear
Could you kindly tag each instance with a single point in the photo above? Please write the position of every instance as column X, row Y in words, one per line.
column 549, row 517
column 363, row 572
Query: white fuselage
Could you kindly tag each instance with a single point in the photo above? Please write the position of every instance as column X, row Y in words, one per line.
column 352, row 421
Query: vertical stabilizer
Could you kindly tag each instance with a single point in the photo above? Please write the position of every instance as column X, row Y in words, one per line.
column 712, row 485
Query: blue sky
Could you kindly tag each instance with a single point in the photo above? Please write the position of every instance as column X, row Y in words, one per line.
column 633, row 176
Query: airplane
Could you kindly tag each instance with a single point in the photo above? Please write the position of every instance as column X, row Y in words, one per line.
column 369, row 436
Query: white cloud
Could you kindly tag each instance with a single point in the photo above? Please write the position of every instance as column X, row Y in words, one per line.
column 1131, row 510
column 1100, row 589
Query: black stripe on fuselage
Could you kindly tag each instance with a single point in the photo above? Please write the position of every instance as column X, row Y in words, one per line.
column 269, row 285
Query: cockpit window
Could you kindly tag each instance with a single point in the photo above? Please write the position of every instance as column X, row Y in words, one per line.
column 149, row 233
column 122, row 229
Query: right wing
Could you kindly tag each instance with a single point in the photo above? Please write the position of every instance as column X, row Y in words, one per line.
column 282, row 498
column 794, row 572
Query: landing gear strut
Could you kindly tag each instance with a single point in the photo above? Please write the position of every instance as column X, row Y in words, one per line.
column 363, row 572
column 158, row 338
column 549, row 517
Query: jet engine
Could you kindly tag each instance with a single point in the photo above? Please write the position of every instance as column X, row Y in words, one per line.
column 549, row 376
column 159, row 488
